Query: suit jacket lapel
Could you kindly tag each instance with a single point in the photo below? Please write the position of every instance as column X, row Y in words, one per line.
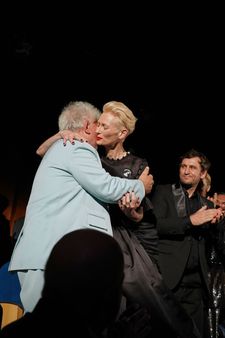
column 179, row 198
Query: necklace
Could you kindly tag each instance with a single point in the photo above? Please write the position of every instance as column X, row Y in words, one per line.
column 118, row 157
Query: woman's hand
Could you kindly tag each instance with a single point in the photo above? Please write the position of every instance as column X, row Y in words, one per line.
column 67, row 135
column 130, row 205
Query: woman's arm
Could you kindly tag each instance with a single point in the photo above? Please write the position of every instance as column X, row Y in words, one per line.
column 47, row 144
column 64, row 134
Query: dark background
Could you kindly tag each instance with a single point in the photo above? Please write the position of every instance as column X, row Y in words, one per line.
column 167, row 66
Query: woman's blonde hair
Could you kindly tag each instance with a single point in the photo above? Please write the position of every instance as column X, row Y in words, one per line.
column 125, row 115
column 206, row 185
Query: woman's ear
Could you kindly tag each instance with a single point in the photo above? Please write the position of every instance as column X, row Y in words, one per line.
column 123, row 133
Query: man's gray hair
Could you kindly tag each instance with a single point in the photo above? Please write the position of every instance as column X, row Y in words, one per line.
column 73, row 115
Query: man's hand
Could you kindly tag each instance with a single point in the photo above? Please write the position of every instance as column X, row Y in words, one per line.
column 204, row 215
column 147, row 180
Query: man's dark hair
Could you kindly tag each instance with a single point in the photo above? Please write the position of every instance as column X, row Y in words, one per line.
column 204, row 161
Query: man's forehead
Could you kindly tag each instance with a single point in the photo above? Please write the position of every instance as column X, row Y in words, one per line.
column 192, row 160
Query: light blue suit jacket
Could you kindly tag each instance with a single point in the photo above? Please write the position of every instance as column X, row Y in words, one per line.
column 68, row 193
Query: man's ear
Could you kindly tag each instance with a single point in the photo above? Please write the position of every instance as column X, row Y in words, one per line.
column 86, row 127
column 203, row 174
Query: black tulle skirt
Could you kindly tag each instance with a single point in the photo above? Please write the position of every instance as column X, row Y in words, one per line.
column 143, row 284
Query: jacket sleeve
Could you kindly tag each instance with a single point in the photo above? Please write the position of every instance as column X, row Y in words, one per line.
column 85, row 166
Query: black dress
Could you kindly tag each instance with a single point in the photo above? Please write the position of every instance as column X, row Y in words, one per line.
column 132, row 166
column 143, row 283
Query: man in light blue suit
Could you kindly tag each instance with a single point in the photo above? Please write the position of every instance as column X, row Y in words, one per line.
column 68, row 193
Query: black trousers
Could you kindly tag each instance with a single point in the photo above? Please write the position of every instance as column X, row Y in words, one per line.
column 193, row 300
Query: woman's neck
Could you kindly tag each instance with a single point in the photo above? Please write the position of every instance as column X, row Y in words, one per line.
column 116, row 153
